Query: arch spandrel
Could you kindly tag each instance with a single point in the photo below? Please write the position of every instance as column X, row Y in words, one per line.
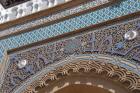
column 42, row 59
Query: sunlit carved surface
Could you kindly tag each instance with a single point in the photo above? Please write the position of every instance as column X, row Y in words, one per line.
column 22, row 63
column 52, row 17
column 30, row 7
column 24, row 9
column 130, row 35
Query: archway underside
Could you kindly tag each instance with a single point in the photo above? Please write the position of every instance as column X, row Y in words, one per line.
column 110, row 78
column 83, row 82
column 81, row 89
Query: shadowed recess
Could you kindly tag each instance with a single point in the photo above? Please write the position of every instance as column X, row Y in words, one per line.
column 10, row 3
column 81, row 88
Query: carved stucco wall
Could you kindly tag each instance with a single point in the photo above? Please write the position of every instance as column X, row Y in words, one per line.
column 106, row 44
column 124, row 8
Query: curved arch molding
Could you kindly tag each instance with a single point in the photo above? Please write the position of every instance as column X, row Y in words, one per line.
column 105, row 45
column 98, row 63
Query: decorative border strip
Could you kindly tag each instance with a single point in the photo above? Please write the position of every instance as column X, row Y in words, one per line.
column 6, row 46
column 41, row 13
column 104, row 25
column 82, row 21
column 54, row 18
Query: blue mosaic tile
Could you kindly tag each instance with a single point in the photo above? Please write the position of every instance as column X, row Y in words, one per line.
column 128, row 6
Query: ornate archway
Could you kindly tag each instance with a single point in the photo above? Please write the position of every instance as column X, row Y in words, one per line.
column 84, row 70
column 106, row 51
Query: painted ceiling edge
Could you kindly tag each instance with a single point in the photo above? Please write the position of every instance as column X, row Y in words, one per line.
column 41, row 13
column 58, row 20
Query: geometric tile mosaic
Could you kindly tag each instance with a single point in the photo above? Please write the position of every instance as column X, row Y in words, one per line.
column 126, row 7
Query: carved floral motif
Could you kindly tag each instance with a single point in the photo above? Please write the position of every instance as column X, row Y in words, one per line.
column 107, row 41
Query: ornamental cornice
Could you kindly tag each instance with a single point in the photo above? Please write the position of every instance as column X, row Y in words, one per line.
column 55, row 17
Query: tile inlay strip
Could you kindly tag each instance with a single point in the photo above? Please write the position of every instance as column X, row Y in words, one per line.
column 82, row 21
